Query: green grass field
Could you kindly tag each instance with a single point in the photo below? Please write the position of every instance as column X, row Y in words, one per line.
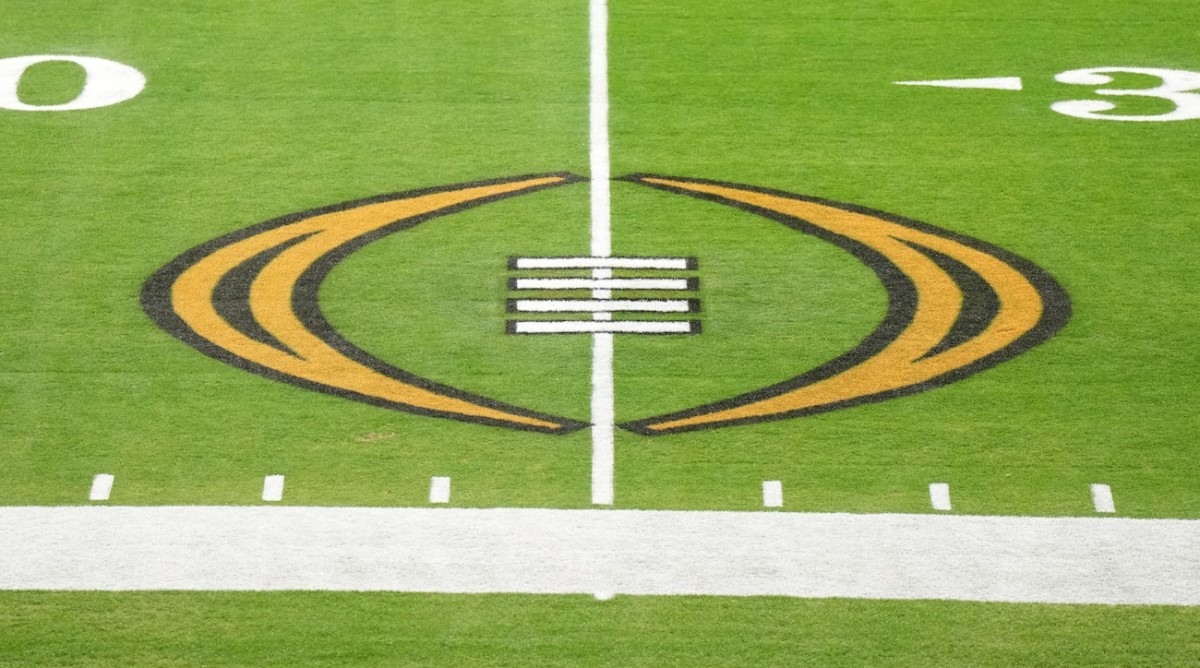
column 257, row 110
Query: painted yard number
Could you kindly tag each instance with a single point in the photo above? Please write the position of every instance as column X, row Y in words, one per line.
column 1175, row 87
column 107, row 83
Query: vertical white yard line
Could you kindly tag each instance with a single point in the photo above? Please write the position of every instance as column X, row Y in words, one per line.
column 603, row 419
column 603, row 412
column 1102, row 499
column 102, row 486
column 598, row 145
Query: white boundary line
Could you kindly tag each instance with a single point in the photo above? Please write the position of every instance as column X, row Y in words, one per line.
column 603, row 411
column 1104, row 560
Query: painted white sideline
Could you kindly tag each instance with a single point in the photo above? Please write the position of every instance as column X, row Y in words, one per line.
column 1107, row 560
column 993, row 83
column 439, row 490
column 272, row 488
column 102, row 486
column 1102, row 499
column 772, row 493
column 939, row 495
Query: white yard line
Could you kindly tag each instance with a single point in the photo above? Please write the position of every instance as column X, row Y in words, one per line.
column 1028, row 559
column 603, row 419
column 598, row 121
column 603, row 410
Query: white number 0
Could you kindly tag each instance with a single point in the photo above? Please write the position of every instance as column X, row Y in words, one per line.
column 1175, row 87
column 108, row 82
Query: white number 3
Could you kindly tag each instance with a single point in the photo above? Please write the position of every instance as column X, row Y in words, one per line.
column 1175, row 87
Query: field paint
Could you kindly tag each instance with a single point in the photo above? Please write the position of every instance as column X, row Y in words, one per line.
column 272, row 488
column 102, row 486
column 1018, row 306
column 603, row 262
column 598, row 120
column 1102, row 499
column 604, row 327
column 592, row 305
column 206, row 298
column 439, row 490
column 772, row 493
column 603, row 419
column 1177, row 86
column 107, row 82
column 939, row 495
column 602, row 294
column 1109, row 560
column 603, row 283
column 994, row 83
column 603, row 408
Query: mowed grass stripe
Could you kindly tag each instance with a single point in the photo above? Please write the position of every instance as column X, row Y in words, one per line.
column 386, row 630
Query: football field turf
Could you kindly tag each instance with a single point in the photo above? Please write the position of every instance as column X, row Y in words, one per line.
column 273, row 111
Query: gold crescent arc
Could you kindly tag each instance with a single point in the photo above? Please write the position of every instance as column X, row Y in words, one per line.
column 920, row 344
column 282, row 334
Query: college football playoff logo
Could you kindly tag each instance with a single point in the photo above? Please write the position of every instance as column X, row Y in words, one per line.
column 957, row 305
